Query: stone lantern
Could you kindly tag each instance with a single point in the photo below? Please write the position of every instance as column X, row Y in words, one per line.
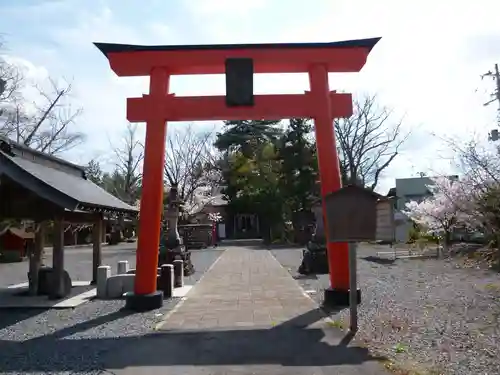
column 171, row 244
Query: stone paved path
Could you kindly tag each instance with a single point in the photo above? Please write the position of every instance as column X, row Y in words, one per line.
column 244, row 288
column 247, row 315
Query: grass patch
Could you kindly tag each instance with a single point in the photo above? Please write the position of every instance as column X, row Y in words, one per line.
column 400, row 348
column 409, row 369
column 336, row 324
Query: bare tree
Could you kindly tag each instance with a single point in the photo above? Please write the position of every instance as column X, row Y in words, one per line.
column 125, row 181
column 368, row 141
column 191, row 161
column 47, row 126
column 11, row 80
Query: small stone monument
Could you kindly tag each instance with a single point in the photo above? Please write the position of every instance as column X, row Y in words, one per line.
column 315, row 260
column 171, row 244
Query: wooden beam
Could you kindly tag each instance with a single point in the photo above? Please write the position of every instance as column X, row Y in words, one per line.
column 57, row 258
column 193, row 108
column 96, row 246
column 80, row 217
column 35, row 257
column 103, row 230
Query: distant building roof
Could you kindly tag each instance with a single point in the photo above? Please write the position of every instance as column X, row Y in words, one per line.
column 427, row 178
column 217, row 201
column 392, row 192
column 56, row 180
column 21, row 233
column 318, row 200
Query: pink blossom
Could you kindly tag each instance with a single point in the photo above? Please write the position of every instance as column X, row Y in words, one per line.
column 446, row 209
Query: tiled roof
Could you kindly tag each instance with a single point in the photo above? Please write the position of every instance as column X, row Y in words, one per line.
column 63, row 183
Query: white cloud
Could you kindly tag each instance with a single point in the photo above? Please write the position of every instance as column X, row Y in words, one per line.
column 33, row 77
column 426, row 66
column 96, row 27
column 30, row 71
column 224, row 8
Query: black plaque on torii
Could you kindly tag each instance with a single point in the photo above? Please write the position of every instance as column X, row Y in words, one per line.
column 239, row 82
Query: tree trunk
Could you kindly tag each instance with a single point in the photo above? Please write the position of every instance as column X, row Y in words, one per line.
column 446, row 244
column 496, row 263
column 35, row 259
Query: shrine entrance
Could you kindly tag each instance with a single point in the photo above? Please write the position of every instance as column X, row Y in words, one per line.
column 246, row 226
column 239, row 63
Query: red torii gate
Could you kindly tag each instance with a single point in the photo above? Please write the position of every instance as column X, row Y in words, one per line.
column 239, row 63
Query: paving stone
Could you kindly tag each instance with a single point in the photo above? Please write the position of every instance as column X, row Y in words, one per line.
column 246, row 316
column 244, row 286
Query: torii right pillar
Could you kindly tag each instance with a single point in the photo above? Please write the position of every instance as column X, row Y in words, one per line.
column 330, row 181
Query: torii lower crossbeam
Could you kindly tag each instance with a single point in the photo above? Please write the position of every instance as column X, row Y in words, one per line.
column 203, row 108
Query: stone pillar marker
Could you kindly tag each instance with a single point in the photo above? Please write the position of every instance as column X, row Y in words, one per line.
column 178, row 273
column 103, row 273
column 122, row 267
column 167, row 280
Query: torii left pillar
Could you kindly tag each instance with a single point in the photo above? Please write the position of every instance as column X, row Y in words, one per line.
column 145, row 296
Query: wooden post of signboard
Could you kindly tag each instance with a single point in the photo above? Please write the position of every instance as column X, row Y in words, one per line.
column 355, row 214
column 353, row 287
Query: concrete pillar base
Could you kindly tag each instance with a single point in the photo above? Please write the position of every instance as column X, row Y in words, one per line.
column 338, row 297
column 143, row 302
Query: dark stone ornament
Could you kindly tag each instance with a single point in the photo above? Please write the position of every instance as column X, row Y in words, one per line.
column 171, row 243
column 314, row 257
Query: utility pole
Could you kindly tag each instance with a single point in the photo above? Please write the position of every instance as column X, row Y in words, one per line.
column 495, row 97
column 3, row 85
column 496, row 94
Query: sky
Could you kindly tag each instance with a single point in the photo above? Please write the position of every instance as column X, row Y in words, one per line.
column 427, row 66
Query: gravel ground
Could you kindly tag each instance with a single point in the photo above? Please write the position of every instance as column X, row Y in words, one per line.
column 430, row 316
column 72, row 341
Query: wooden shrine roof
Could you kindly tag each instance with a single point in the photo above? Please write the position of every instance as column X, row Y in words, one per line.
column 21, row 233
column 60, row 182
column 107, row 48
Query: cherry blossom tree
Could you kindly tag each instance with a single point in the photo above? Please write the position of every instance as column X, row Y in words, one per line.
column 200, row 197
column 215, row 217
column 447, row 208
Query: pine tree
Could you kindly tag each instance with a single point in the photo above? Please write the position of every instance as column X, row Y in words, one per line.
column 247, row 136
column 299, row 171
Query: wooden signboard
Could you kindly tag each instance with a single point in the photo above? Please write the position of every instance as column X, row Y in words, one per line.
column 356, row 214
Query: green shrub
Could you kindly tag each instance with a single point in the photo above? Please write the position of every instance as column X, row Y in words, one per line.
column 414, row 234
column 430, row 237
